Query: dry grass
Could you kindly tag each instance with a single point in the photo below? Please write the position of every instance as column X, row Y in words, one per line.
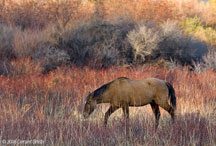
column 49, row 107
column 140, row 10
column 39, row 14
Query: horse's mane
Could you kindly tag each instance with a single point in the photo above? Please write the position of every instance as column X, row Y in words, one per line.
column 103, row 88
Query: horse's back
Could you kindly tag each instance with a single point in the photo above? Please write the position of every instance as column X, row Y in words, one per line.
column 159, row 86
column 161, row 90
column 152, row 83
column 136, row 92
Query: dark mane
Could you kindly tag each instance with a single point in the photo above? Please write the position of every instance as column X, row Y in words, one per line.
column 101, row 90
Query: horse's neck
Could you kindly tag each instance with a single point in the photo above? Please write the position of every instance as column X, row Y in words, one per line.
column 101, row 99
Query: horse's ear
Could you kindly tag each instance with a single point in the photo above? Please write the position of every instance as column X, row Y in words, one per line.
column 88, row 96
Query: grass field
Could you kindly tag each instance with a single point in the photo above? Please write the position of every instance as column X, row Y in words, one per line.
column 53, row 52
column 49, row 108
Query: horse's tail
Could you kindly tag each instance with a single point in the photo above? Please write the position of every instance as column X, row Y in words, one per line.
column 172, row 95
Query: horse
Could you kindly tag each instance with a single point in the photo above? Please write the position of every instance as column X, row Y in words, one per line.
column 124, row 92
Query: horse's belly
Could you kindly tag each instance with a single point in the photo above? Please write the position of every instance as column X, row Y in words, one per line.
column 140, row 101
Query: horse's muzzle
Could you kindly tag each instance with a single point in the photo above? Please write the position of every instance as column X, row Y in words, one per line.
column 85, row 115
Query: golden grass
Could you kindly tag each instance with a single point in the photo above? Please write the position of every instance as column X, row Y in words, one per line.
column 48, row 107
column 39, row 14
column 52, row 105
column 140, row 10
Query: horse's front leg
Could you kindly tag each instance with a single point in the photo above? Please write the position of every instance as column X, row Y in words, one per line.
column 109, row 112
column 126, row 111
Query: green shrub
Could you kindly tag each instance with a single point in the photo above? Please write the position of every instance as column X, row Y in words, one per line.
column 166, row 41
column 180, row 47
column 97, row 43
column 28, row 43
column 195, row 27
column 6, row 38
column 41, row 47
column 52, row 57
column 144, row 40
column 6, row 49
column 208, row 62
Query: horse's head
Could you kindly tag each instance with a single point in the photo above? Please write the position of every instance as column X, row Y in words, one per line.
column 90, row 104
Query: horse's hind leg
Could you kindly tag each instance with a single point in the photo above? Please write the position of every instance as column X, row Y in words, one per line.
column 169, row 109
column 155, row 109
column 109, row 112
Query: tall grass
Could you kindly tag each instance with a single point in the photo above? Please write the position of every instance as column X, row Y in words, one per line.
column 61, row 37
column 49, row 108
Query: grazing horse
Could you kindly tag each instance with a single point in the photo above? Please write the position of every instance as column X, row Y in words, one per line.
column 124, row 92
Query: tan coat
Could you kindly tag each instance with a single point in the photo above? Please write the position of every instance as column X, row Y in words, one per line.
column 124, row 92
column 135, row 92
